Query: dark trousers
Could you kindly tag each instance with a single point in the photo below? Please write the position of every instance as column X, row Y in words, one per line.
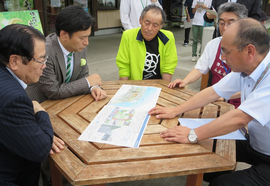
column 187, row 31
column 257, row 175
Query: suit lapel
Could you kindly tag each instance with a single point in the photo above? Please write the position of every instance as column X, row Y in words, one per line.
column 59, row 56
column 76, row 66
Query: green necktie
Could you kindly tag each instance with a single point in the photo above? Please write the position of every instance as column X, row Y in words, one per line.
column 68, row 72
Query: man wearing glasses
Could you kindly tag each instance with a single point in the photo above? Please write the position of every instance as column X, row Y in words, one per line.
column 211, row 57
column 66, row 73
column 245, row 47
column 26, row 134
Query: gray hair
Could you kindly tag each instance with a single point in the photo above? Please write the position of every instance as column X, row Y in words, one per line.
column 251, row 31
column 156, row 9
column 240, row 10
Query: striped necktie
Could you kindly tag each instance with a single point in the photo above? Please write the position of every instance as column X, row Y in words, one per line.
column 68, row 72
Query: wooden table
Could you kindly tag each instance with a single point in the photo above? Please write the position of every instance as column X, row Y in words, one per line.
column 85, row 163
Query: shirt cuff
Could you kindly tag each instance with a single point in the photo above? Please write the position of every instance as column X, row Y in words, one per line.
column 94, row 87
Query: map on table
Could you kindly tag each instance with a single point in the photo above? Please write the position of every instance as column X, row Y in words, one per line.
column 122, row 122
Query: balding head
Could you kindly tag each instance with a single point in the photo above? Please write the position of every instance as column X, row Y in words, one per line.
column 250, row 31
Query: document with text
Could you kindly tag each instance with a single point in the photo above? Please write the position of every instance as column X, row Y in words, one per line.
column 123, row 120
column 195, row 123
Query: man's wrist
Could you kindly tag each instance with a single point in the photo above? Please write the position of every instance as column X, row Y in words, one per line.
column 91, row 88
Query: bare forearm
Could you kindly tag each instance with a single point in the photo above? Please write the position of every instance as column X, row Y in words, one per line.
column 236, row 95
column 192, row 76
column 199, row 100
column 229, row 122
column 167, row 77
column 123, row 78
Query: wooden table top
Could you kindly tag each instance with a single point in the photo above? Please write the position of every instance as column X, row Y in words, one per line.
column 87, row 163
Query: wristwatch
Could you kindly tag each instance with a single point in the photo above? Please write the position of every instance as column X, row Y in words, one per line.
column 192, row 137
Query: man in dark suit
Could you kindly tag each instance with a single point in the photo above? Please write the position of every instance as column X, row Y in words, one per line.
column 26, row 134
column 67, row 72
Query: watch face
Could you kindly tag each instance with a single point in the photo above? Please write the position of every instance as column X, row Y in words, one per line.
column 192, row 137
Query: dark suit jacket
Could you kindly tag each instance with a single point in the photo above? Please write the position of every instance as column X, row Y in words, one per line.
column 25, row 139
column 52, row 84
column 253, row 6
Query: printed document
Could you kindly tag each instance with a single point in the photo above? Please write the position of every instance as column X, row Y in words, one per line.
column 195, row 123
column 122, row 122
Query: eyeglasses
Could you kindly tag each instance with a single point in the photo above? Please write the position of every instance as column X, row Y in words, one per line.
column 229, row 51
column 222, row 24
column 44, row 62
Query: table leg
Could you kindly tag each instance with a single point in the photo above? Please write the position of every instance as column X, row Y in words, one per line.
column 56, row 175
column 194, row 180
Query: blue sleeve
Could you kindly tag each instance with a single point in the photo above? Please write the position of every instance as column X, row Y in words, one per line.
column 23, row 133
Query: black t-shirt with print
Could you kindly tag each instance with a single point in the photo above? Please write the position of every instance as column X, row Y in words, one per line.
column 152, row 60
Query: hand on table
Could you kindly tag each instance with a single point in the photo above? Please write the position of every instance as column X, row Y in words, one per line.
column 98, row 93
column 57, row 145
column 176, row 134
column 178, row 82
column 94, row 79
column 163, row 112
column 210, row 16
column 37, row 107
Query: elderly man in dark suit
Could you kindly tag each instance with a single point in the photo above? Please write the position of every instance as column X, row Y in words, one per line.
column 26, row 134
column 67, row 72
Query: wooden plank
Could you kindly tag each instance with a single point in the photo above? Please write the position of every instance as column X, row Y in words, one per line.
column 83, row 149
column 49, row 103
column 88, row 116
column 153, row 120
column 149, row 169
column 210, row 111
column 170, row 123
column 63, row 104
column 56, row 176
column 111, row 92
column 165, row 103
column 194, row 180
column 75, row 121
column 95, row 106
column 227, row 150
column 67, row 163
column 153, row 139
column 224, row 107
column 150, row 129
column 78, row 105
column 171, row 98
column 147, row 152
column 192, row 114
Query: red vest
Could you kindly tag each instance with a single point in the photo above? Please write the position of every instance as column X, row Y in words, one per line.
column 220, row 69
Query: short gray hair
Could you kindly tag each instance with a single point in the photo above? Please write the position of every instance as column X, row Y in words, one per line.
column 156, row 9
column 240, row 10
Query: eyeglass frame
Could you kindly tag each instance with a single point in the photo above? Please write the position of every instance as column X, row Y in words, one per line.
column 229, row 51
column 43, row 63
column 225, row 23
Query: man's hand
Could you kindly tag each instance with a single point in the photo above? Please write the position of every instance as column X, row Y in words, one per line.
column 188, row 19
column 178, row 82
column 57, row 146
column 210, row 16
column 98, row 94
column 94, row 79
column 163, row 112
column 37, row 107
column 154, row 1
column 176, row 134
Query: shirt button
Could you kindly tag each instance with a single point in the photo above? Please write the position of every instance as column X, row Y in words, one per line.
column 248, row 85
